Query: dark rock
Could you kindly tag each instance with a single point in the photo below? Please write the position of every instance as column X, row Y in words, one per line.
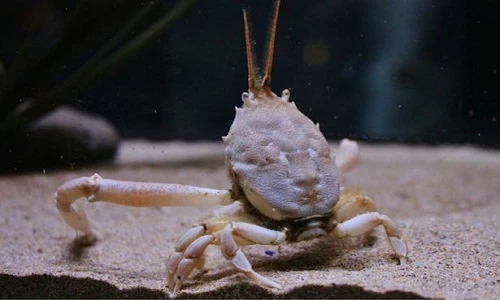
column 65, row 137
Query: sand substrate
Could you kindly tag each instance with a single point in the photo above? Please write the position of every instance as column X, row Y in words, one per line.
column 446, row 200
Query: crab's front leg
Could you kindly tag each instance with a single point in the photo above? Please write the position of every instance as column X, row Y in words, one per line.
column 356, row 214
column 227, row 232
column 142, row 194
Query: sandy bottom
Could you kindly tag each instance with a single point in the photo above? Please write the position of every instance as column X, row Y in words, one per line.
column 446, row 201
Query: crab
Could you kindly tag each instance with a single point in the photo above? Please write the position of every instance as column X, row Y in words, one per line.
column 285, row 186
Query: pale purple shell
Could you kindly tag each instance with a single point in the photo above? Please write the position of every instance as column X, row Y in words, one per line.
column 282, row 161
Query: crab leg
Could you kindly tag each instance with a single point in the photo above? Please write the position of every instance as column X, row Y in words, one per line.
column 228, row 234
column 142, row 194
column 356, row 214
column 347, row 155
column 232, row 252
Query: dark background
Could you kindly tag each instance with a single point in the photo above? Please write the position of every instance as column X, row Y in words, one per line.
column 415, row 71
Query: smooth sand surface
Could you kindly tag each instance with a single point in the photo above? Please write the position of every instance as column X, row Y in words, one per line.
column 446, row 200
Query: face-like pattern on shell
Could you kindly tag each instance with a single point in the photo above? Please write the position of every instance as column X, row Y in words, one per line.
column 282, row 161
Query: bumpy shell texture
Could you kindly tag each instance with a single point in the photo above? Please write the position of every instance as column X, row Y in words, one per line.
column 282, row 161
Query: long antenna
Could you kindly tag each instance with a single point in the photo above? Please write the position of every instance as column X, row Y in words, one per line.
column 248, row 45
column 266, row 81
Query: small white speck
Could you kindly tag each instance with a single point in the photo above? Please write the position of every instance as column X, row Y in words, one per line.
column 494, row 71
column 471, row 113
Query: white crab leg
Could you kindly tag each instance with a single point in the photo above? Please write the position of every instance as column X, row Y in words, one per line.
column 191, row 246
column 366, row 222
column 191, row 258
column 192, row 236
column 256, row 234
column 143, row 194
column 347, row 155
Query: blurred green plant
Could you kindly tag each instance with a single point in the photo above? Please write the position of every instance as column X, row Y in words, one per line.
column 33, row 70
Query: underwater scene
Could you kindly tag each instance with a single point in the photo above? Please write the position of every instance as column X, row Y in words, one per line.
column 249, row 149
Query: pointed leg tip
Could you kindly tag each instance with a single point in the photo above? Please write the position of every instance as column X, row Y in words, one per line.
column 277, row 286
column 264, row 280
column 177, row 288
column 403, row 261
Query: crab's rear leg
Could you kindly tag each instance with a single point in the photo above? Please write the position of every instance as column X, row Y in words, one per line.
column 347, row 155
column 142, row 194
column 356, row 214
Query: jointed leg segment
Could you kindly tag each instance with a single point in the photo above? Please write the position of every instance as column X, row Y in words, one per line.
column 356, row 214
column 347, row 155
column 188, row 254
column 227, row 234
column 232, row 252
column 142, row 194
